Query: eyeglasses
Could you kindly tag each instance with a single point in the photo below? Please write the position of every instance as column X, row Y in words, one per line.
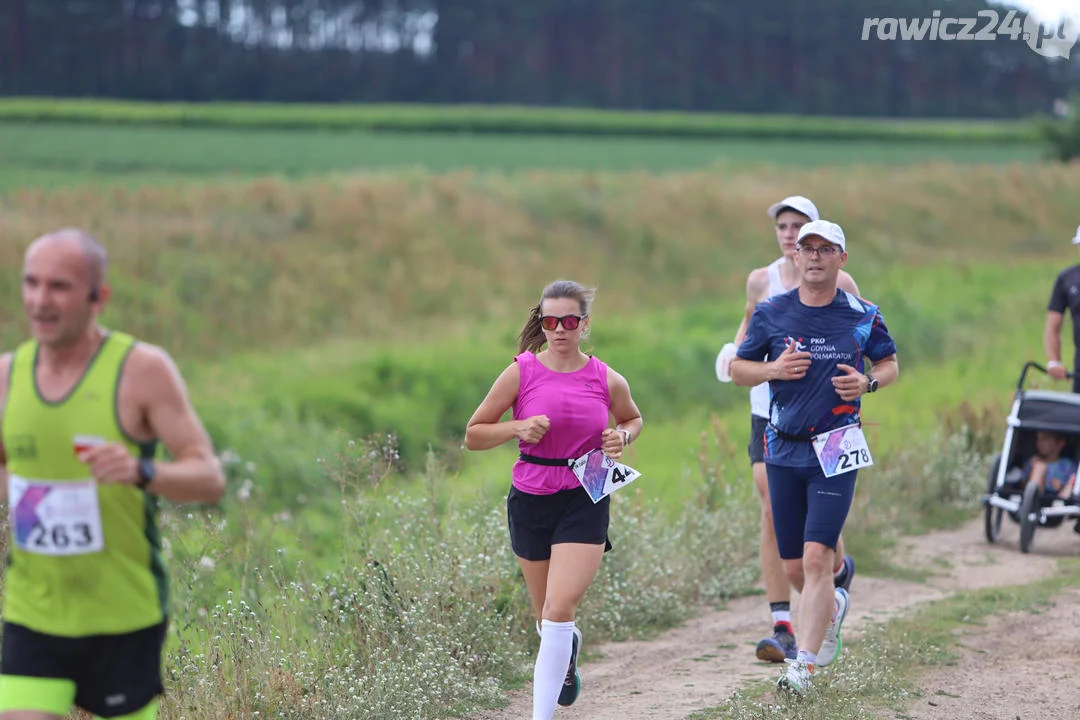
column 570, row 322
column 824, row 251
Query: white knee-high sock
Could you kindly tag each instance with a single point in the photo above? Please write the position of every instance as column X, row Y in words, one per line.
column 556, row 644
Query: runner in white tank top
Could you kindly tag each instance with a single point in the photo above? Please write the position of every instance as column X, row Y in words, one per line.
column 759, row 394
column 780, row 276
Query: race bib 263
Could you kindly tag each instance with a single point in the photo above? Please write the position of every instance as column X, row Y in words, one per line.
column 55, row 518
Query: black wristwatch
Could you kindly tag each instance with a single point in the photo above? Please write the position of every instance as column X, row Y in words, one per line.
column 871, row 385
column 147, row 470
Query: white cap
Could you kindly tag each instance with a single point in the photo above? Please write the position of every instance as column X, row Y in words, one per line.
column 797, row 203
column 1076, row 240
column 825, row 230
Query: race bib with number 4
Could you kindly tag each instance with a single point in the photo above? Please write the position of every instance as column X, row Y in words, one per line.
column 842, row 450
column 601, row 476
column 55, row 518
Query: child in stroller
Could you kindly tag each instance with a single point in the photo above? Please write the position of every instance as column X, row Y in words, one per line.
column 1033, row 479
column 1048, row 469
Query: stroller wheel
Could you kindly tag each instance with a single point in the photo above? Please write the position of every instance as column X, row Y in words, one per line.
column 993, row 514
column 1029, row 509
column 993, row 518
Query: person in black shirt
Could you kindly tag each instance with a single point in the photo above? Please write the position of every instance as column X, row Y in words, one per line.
column 1066, row 294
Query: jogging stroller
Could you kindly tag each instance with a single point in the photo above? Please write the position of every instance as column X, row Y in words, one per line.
column 1007, row 493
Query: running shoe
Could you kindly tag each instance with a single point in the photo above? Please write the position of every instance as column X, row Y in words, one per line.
column 831, row 645
column 798, row 678
column 572, row 684
column 778, row 648
column 849, row 565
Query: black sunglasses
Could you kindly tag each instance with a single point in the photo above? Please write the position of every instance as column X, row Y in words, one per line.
column 570, row 322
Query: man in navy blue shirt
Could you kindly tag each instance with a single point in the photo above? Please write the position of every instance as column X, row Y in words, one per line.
column 1064, row 296
column 820, row 338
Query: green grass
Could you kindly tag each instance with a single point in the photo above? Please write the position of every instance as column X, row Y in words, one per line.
column 330, row 613
column 292, row 613
column 309, row 316
column 387, row 305
column 321, row 611
column 282, row 284
column 425, row 398
column 961, row 344
column 509, row 119
column 35, row 155
column 213, row 270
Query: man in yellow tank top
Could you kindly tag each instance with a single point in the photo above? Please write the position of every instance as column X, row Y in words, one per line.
column 82, row 408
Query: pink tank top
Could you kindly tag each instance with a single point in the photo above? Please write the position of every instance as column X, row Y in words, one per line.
column 576, row 403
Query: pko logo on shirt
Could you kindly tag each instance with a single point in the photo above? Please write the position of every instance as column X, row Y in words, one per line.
column 1049, row 38
column 799, row 347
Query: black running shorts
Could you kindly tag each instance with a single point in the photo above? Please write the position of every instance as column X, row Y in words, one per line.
column 757, row 438
column 569, row 516
column 113, row 674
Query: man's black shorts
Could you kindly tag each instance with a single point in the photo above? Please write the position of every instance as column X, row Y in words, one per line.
column 569, row 516
column 113, row 674
column 757, row 438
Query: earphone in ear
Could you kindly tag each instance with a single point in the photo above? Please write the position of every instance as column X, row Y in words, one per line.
column 94, row 293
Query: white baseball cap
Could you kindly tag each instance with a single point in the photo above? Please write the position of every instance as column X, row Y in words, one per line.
column 825, row 230
column 1076, row 240
column 797, row 203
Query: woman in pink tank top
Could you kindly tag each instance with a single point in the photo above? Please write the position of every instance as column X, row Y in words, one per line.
column 563, row 403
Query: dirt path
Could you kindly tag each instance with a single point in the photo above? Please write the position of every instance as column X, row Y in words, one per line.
column 1020, row 666
column 700, row 663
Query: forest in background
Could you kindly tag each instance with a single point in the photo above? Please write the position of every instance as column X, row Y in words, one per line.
column 767, row 56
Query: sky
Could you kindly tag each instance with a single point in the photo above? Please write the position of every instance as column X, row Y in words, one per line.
column 1046, row 9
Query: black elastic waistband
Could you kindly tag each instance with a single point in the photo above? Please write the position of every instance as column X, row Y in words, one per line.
column 789, row 437
column 551, row 462
column 796, row 438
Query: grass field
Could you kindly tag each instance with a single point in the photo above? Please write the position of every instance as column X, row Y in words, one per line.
column 217, row 269
column 35, row 155
column 310, row 311
column 509, row 119
column 387, row 304
column 425, row 399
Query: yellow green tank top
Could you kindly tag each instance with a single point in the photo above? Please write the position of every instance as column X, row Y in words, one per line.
column 83, row 559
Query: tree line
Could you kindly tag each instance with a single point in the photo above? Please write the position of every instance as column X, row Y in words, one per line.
column 775, row 56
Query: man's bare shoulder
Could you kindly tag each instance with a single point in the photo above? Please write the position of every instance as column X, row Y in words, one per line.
column 757, row 284
column 150, row 363
column 5, row 371
column 845, row 282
